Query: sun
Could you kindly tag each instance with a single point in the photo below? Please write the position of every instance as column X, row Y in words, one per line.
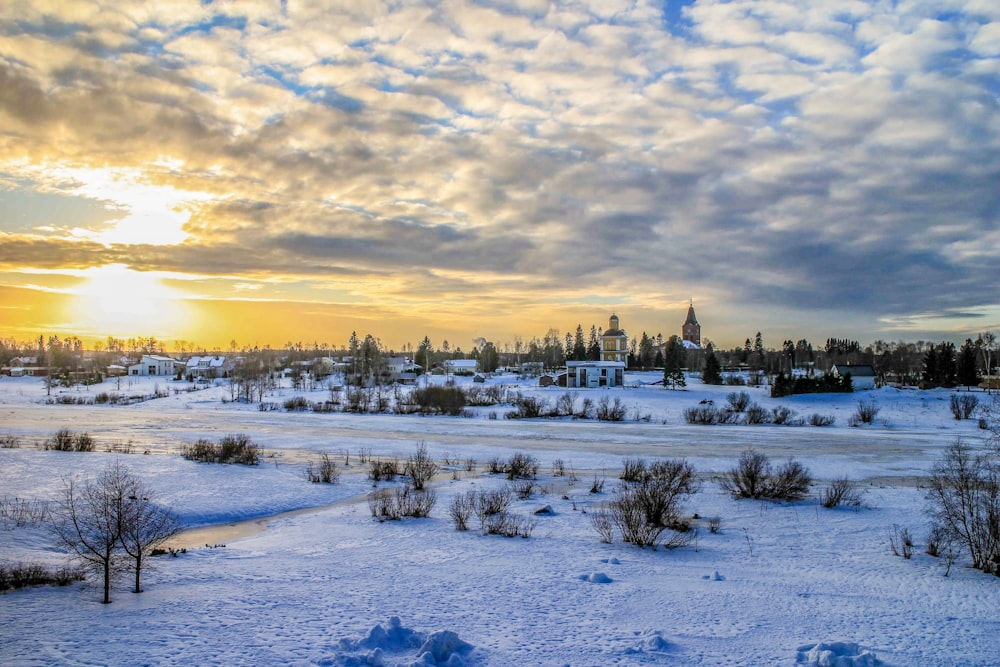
column 118, row 301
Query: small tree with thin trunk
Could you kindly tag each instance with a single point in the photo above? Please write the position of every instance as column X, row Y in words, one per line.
column 88, row 522
column 145, row 526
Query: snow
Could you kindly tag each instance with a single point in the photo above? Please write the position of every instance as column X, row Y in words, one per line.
column 322, row 583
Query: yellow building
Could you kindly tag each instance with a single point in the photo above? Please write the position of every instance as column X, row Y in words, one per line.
column 614, row 342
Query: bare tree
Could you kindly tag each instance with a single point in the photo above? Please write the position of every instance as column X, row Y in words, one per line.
column 965, row 502
column 145, row 526
column 103, row 521
column 88, row 522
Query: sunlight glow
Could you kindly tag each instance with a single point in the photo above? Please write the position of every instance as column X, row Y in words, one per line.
column 116, row 300
column 152, row 213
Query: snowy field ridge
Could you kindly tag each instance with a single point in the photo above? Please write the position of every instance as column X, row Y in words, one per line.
column 324, row 583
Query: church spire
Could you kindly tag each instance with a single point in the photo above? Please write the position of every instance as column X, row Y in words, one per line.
column 691, row 331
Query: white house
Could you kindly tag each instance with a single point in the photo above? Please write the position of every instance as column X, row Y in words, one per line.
column 153, row 364
column 862, row 376
column 594, row 374
column 210, row 366
column 460, row 366
column 401, row 369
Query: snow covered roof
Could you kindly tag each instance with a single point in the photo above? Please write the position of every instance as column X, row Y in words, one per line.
column 859, row 371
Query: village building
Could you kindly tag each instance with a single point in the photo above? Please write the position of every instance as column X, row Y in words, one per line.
column 614, row 342
column 862, row 376
column 206, row 367
column 460, row 366
column 691, row 330
column 154, row 364
column 610, row 370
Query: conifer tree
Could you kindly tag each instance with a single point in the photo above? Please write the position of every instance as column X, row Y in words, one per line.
column 968, row 373
column 712, row 373
column 673, row 363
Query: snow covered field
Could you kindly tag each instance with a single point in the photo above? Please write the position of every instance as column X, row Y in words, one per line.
column 332, row 586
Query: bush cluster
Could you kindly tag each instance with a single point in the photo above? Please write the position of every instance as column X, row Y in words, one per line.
column 404, row 501
column 439, row 400
column 325, row 471
column 963, row 406
column 231, row 449
column 65, row 440
column 755, row 477
column 22, row 575
column 649, row 505
column 379, row 470
column 491, row 508
column 21, row 512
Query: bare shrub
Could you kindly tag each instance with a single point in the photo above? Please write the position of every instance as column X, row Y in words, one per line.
column 527, row 407
column 488, row 502
column 750, row 477
column 379, row 470
column 963, row 406
column 231, row 449
column 65, row 440
column 323, row 472
column 754, row 477
column 782, row 416
column 440, row 400
column 202, row 451
column 521, row 466
column 14, row 576
column 900, row 542
column 496, row 465
column 629, row 516
column 727, row 416
column 789, row 482
column 633, row 469
column 461, row 509
column 523, row 488
column 22, row 512
column 704, row 415
column 9, row 442
column 604, row 524
column 296, row 404
column 598, row 484
column 757, row 414
column 558, row 468
column 611, row 411
column 842, row 492
column 509, row 524
column 738, row 400
column 866, row 412
column 816, row 419
column 964, row 501
column 587, row 409
column 239, row 448
column 714, row 525
column 405, row 501
column 382, row 504
column 660, row 493
column 565, row 404
column 420, row 468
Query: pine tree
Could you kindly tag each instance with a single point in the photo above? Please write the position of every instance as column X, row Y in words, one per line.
column 645, row 352
column 593, row 345
column 673, row 363
column 712, row 373
column 579, row 346
column 967, row 370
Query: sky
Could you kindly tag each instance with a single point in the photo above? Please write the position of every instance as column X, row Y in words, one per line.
column 266, row 172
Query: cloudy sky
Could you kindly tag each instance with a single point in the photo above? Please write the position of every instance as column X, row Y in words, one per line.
column 283, row 171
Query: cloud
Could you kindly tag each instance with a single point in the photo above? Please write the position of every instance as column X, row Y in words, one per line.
column 804, row 155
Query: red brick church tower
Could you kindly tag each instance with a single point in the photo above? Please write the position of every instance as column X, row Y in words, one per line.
column 691, row 331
